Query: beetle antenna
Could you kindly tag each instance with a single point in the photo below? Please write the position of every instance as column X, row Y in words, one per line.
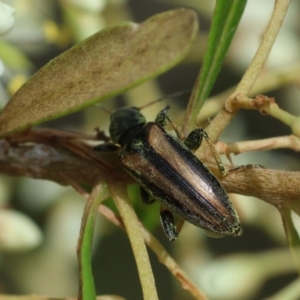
column 100, row 106
column 173, row 95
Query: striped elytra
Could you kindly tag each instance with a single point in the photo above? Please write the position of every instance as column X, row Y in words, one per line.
column 170, row 173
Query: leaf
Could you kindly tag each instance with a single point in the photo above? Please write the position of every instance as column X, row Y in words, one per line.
column 104, row 65
column 225, row 21
column 87, row 290
column 292, row 235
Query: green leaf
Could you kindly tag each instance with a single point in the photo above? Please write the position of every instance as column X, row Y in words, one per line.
column 104, row 65
column 87, row 289
column 226, row 18
column 291, row 235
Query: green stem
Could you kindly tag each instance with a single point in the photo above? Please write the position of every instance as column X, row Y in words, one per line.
column 87, row 289
column 120, row 196
column 291, row 235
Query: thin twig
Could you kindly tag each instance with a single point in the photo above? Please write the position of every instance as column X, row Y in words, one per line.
column 267, row 81
column 289, row 141
column 268, row 40
column 268, row 106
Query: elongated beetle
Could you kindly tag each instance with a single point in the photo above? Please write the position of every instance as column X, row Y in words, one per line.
column 168, row 171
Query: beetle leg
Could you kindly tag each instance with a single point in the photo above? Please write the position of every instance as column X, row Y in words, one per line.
column 193, row 142
column 194, row 139
column 249, row 167
column 168, row 224
column 100, row 134
column 161, row 119
column 146, row 197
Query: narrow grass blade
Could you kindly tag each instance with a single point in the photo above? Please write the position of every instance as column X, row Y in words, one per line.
column 225, row 21
column 87, row 289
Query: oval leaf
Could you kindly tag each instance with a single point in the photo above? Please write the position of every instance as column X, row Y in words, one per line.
column 104, row 65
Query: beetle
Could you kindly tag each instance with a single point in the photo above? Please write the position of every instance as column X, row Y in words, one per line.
column 168, row 171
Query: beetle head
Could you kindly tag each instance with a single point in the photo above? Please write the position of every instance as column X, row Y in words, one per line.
column 124, row 120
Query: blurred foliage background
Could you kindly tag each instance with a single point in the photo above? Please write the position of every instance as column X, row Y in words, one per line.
column 40, row 220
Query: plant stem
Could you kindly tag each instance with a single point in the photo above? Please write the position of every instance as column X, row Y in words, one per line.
column 221, row 121
column 119, row 194
column 264, row 49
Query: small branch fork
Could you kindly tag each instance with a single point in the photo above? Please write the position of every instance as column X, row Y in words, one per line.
column 223, row 118
column 268, row 106
column 290, row 142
